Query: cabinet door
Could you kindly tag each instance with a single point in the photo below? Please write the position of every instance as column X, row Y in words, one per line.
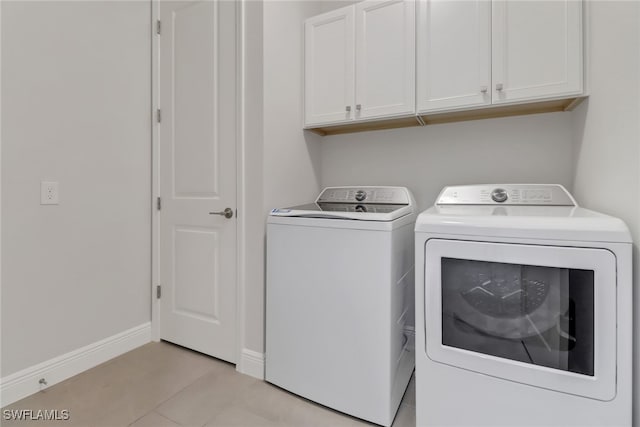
column 454, row 51
column 385, row 62
column 329, row 67
column 537, row 49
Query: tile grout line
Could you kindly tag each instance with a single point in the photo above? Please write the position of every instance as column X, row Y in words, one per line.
column 176, row 393
column 235, row 401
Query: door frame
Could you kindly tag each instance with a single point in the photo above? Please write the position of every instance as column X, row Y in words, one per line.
column 241, row 159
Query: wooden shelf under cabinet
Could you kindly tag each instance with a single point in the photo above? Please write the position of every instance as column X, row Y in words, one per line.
column 452, row 116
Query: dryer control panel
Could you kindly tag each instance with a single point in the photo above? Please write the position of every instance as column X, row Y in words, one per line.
column 507, row 194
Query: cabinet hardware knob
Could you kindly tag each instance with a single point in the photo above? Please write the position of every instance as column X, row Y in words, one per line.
column 483, row 89
column 358, row 107
column 348, row 108
column 499, row 87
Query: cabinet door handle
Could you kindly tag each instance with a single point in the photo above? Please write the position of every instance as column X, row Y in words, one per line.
column 483, row 89
column 358, row 107
column 498, row 87
column 348, row 108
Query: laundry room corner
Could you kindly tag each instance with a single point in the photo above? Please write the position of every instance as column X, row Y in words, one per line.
column 409, row 213
column 594, row 151
column 606, row 134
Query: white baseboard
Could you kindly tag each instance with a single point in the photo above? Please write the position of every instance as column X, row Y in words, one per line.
column 26, row 382
column 251, row 363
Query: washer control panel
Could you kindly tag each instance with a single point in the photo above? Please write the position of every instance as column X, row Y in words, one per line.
column 361, row 195
column 507, row 194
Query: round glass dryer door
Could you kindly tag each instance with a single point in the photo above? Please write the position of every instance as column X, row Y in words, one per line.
column 532, row 314
column 539, row 315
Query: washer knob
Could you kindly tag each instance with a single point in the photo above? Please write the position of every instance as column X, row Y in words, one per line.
column 361, row 195
column 499, row 195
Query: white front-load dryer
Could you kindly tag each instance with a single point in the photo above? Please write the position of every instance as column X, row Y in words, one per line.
column 523, row 310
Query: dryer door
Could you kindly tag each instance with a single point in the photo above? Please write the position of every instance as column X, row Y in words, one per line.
column 539, row 315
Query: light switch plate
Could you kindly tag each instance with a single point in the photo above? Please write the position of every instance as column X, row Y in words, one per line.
column 49, row 193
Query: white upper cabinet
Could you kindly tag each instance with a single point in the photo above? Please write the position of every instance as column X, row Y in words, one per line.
column 360, row 62
column 454, row 54
column 537, row 49
column 475, row 53
column 385, row 58
column 393, row 59
column 329, row 67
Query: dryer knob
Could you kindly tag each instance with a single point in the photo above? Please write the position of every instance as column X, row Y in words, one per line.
column 499, row 195
column 361, row 195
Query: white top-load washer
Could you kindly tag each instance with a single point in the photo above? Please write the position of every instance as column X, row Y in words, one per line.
column 523, row 310
column 339, row 310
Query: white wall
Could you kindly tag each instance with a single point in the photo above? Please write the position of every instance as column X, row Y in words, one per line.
column 251, row 321
column 291, row 156
column 534, row 148
column 75, row 109
column 607, row 133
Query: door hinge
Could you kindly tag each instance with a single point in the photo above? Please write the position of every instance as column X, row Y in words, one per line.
column 158, row 115
column 158, row 292
column 159, row 203
column 158, row 27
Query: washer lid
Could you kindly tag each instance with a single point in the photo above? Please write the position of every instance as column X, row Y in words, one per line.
column 525, row 219
column 359, row 203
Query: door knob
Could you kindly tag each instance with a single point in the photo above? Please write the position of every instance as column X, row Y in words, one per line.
column 227, row 213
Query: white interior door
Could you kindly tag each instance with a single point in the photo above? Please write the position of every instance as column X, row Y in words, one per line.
column 197, row 139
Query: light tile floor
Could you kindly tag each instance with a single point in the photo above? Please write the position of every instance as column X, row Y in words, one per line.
column 163, row 385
